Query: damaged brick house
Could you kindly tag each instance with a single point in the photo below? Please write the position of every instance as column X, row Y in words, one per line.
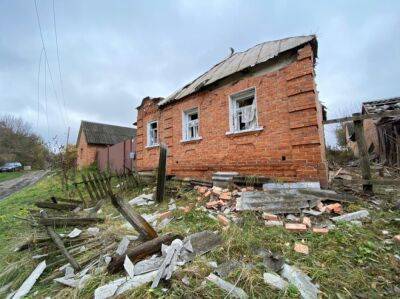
column 256, row 112
column 95, row 136
column 382, row 135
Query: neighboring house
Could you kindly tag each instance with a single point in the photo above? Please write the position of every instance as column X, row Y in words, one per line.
column 94, row 136
column 257, row 113
column 382, row 135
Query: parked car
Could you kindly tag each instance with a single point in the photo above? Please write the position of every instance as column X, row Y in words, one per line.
column 12, row 166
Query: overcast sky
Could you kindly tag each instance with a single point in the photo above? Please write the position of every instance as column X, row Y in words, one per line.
column 114, row 53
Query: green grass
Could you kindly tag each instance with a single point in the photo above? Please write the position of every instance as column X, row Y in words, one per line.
column 346, row 262
column 4, row 176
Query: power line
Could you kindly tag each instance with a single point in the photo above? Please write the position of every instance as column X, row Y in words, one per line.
column 47, row 61
column 58, row 61
column 38, row 89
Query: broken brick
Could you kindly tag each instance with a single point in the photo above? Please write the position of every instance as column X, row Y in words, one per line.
column 207, row 194
column 199, row 198
column 296, row 227
column 223, row 220
column 202, row 189
column 225, row 196
column 320, row 230
column 269, row 216
column 185, row 209
column 321, row 207
column 164, row 215
column 335, row 208
column 301, row 248
column 212, row 204
column 307, row 221
column 216, row 190
column 396, row 238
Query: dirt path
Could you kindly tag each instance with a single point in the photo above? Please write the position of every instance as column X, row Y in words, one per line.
column 10, row 186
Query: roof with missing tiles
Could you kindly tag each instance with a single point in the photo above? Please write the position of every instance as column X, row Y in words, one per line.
column 240, row 61
column 381, row 105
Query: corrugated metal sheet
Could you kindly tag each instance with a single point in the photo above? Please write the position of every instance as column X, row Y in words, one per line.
column 238, row 62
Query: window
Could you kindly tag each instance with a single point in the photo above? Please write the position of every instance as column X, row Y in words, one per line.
column 152, row 134
column 243, row 111
column 191, row 125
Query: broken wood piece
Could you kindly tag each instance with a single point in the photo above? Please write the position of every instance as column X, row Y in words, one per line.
column 351, row 216
column 56, row 206
column 141, row 251
column 301, row 281
column 146, row 231
column 59, row 243
column 60, row 221
column 275, row 281
column 30, row 281
column 227, row 287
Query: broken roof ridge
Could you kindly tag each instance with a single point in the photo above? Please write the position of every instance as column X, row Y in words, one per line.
column 231, row 64
column 382, row 100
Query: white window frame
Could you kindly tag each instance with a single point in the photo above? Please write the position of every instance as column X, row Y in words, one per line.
column 149, row 139
column 186, row 124
column 242, row 95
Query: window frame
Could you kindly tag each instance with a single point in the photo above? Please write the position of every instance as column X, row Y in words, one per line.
column 148, row 134
column 185, row 120
column 242, row 95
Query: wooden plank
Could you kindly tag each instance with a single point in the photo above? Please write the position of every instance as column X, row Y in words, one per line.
column 141, row 251
column 363, row 152
column 161, row 173
column 59, row 221
column 97, row 185
column 146, row 231
column 362, row 117
column 89, row 191
column 59, row 243
column 56, row 206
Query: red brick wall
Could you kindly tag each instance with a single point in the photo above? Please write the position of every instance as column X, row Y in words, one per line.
column 86, row 152
column 288, row 110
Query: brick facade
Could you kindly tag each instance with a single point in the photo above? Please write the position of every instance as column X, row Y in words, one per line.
column 86, row 152
column 290, row 147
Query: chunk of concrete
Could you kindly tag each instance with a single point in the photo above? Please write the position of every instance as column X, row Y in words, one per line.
column 351, row 216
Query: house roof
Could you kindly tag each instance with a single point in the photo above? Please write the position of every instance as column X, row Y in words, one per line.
column 381, row 105
column 97, row 133
column 240, row 61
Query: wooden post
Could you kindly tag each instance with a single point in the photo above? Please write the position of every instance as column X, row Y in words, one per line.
column 363, row 153
column 59, row 243
column 161, row 173
column 145, row 230
column 79, row 193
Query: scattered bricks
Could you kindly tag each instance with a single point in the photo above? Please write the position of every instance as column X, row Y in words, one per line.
column 270, row 223
column 216, row 190
column 321, row 207
column 307, row 221
column 164, row 215
column 396, row 238
column 296, row 227
column 225, row 196
column 334, row 208
column 223, row 220
column 269, row 216
column 207, row 194
column 320, row 230
column 202, row 189
column 301, row 248
column 212, row 204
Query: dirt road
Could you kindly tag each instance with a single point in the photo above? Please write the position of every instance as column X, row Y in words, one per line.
column 10, row 186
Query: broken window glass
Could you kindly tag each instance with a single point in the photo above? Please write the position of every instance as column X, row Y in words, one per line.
column 152, row 134
column 244, row 112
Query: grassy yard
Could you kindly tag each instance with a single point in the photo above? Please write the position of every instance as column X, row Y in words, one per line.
column 349, row 261
column 4, row 176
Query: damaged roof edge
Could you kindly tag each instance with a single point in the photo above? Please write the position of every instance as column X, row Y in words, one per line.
column 149, row 99
column 242, row 61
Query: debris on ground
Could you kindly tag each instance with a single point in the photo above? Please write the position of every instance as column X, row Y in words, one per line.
column 351, row 216
column 232, row 290
column 301, row 248
column 301, row 281
column 275, row 281
column 30, row 281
